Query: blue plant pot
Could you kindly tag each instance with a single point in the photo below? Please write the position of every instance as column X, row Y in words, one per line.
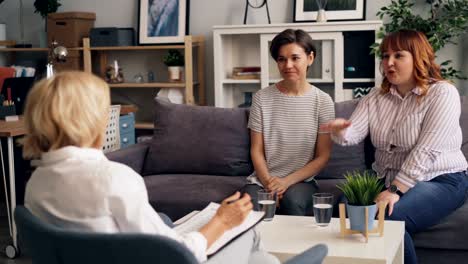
column 357, row 216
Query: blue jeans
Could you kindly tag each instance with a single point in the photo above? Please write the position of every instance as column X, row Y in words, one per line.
column 297, row 200
column 426, row 204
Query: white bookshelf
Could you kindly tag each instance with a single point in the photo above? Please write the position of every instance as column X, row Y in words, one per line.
column 248, row 45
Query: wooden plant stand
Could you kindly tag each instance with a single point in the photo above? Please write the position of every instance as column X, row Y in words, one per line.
column 379, row 229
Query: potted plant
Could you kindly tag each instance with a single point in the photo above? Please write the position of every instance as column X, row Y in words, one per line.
column 361, row 189
column 445, row 21
column 174, row 60
column 44, row 7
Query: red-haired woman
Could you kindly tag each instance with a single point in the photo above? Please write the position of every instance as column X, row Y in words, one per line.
column 413, row 121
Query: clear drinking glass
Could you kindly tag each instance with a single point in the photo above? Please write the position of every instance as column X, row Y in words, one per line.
column 323, row 208
column 267, row 203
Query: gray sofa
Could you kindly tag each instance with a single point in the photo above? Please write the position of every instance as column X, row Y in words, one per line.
column 201, row 154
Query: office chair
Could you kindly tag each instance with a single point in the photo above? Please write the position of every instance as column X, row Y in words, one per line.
column 47, row 244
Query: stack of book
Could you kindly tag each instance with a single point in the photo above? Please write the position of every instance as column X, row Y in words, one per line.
column 244, row 73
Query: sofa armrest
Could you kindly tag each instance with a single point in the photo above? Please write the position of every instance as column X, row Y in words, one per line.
column 132, row 156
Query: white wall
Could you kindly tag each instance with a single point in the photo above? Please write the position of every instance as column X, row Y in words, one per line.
column 204, row 14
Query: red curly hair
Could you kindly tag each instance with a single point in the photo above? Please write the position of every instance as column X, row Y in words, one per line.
column 426, row 70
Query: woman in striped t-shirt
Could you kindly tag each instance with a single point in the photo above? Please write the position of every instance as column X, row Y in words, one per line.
column 287, row 151
column 413, row 121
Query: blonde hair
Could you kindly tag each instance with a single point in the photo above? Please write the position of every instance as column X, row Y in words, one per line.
column 426, row 70
column 69, row 109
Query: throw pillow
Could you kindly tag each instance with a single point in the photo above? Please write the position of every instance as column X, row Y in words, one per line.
column 199, row 140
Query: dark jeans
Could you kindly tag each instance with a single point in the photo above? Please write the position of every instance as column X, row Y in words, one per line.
column 426, row 204
column 297, row 200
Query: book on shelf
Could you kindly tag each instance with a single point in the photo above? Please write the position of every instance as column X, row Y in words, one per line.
column 246, row 73
column 196, row 220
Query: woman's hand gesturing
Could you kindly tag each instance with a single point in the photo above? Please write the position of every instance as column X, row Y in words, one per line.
column 335, row 127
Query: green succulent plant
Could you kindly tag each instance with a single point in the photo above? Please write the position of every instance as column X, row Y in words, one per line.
column 173, row 58
column 361, row 188
column 446, row 20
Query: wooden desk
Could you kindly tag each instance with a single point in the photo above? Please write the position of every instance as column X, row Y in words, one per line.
column 9, row 130
column 12, row 129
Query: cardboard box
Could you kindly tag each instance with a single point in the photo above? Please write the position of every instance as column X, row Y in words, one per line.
column 69, row 28
column 112, row 36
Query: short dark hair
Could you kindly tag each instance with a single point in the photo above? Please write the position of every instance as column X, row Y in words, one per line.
column 288, row 36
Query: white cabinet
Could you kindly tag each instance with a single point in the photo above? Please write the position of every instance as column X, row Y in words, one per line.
column 248, row 45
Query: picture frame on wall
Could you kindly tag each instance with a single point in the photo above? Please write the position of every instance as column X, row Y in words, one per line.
column 336, row 10
column 162, row 21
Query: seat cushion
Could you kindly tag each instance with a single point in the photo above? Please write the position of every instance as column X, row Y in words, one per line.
column 199, row 140
column 177, row 195
column 451, row 233
column 344, row 159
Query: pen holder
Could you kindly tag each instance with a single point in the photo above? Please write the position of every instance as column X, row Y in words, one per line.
column 7, row 110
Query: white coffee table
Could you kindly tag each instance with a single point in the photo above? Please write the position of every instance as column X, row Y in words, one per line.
column 287, row 236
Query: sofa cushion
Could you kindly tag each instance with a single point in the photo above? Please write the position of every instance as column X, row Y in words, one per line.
column 344, row 159
column 199, row 140
column 177, row 195
column 451, row 233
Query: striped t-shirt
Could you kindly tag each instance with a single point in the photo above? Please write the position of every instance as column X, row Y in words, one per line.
column 415, row 140
column 289, row 126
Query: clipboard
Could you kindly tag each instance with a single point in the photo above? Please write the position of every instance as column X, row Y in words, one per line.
column 196, row 221
column 236, row 237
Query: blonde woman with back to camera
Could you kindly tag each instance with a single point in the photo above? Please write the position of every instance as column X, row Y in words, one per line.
column 77, row 188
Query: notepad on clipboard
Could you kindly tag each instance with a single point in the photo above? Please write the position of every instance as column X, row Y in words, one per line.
column 198, row 220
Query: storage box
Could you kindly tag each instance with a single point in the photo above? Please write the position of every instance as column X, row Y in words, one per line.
column 73, row 61
column 112, row 36
column 69, row 28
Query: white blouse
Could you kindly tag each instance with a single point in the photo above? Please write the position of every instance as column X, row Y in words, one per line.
column 80, row 189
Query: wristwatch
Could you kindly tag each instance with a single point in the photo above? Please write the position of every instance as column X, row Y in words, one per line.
column 394, row 189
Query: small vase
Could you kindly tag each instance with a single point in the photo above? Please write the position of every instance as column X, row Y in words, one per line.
column 2, row 33
column 321, row 15
column 43, row 39
column 176, row 73
column 357, row 217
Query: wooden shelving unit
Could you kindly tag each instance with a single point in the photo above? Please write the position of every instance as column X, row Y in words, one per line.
column 144, row 125
column 190, row 42
column 247, row 46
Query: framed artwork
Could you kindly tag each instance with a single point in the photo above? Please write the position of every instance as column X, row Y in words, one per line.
column 306, row 10
column 162, row 21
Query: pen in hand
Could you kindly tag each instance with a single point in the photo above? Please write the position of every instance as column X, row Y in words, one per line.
column 235, row 200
